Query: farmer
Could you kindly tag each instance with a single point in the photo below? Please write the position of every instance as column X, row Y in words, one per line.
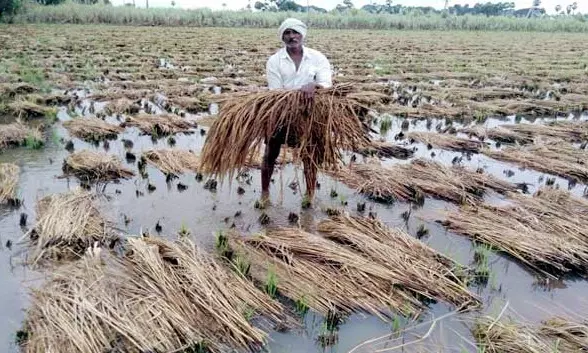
column 293, row 67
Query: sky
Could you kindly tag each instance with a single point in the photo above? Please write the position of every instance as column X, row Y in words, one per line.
column 549, row 5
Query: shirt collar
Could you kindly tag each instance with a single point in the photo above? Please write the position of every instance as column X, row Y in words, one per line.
column 305, row 54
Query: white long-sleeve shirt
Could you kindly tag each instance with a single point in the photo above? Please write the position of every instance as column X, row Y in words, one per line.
column 314, row 67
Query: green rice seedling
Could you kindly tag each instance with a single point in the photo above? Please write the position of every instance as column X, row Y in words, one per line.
column 302, row 305
column 306, row 203
column 248, row 313
column 334, row 193
column 396, row 324
column 184, row 231
column 242, row 265
column 51, row 116
column 385, row 125
column 481, row 260
column 221, row 245
column 33, row 142
column 271, row 283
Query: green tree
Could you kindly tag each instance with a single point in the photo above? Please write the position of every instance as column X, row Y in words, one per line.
column 348, row 4
column 9, row 7
column 557, row 8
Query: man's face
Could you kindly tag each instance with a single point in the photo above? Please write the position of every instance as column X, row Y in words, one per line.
column 292, row 39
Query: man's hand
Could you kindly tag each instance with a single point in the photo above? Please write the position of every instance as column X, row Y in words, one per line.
column 309, row 90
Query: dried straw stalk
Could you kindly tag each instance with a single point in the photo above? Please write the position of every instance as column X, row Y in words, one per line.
column 15, row 134
column 95, row 166
column 92, row 129
column 553, row 335
column 172, row 161
column 9, row 173
column 571, row 131
column 538, row 230
column 161, row 296
column 324, row 128
column 448, row 142
column 386, row 150
column 67, row 224
column 160, row 125
column 326, row 276
column 122, row 106
column 498, row 134
column 559, row 158
column 420, row 178
column 414, row 266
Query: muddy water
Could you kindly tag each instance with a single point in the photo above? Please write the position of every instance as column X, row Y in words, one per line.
column 204, row 212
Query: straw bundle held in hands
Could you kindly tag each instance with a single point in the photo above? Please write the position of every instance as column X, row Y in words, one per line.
column 445, row 141
column 67, row 224
column 547, row 232
column 16, row 134
column 172, row 161
column 324, row 128
column 95, row 166
column 160, row 125
column 158, row 297
column 559, row 158
column 9, row 174
column 420, row 178
column 92, row 129
column 415, row 267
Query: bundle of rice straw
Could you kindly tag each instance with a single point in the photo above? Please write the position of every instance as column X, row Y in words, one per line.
column 324, row 128
column 571, row 131
column 92, row 129
column 122, row 106
column 444, row 141
column 547, row 232
column 498, row 134
column 386, row 150
column 420, row 178
column 159, row 297
column 95, row 166
column 552, row 335
column 9, row 173
column 332, row 277
column 559, row 158
column 160, row 125
column 67, row 224
column 172, row 161
column 15, row 134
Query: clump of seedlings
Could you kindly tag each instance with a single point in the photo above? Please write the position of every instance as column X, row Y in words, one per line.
column 211, row 185
column 264, row 219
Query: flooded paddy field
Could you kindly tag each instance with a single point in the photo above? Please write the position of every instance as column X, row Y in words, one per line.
column 157, row 89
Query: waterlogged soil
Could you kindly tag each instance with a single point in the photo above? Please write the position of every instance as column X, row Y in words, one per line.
column 136, row 210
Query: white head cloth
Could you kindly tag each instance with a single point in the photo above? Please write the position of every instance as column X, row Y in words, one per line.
column 292, row 23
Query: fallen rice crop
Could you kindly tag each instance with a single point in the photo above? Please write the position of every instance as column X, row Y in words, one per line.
column 158, row 296
column 67, row 224
column 445, row 141
column 559, row 158
column 173, row 161
column 160, row 125
column 547, row 232
column 92, row 129
column 95, row 166
column 418, row 179
column 9, row 175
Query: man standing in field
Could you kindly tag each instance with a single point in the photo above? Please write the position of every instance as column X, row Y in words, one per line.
column 293, row 67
